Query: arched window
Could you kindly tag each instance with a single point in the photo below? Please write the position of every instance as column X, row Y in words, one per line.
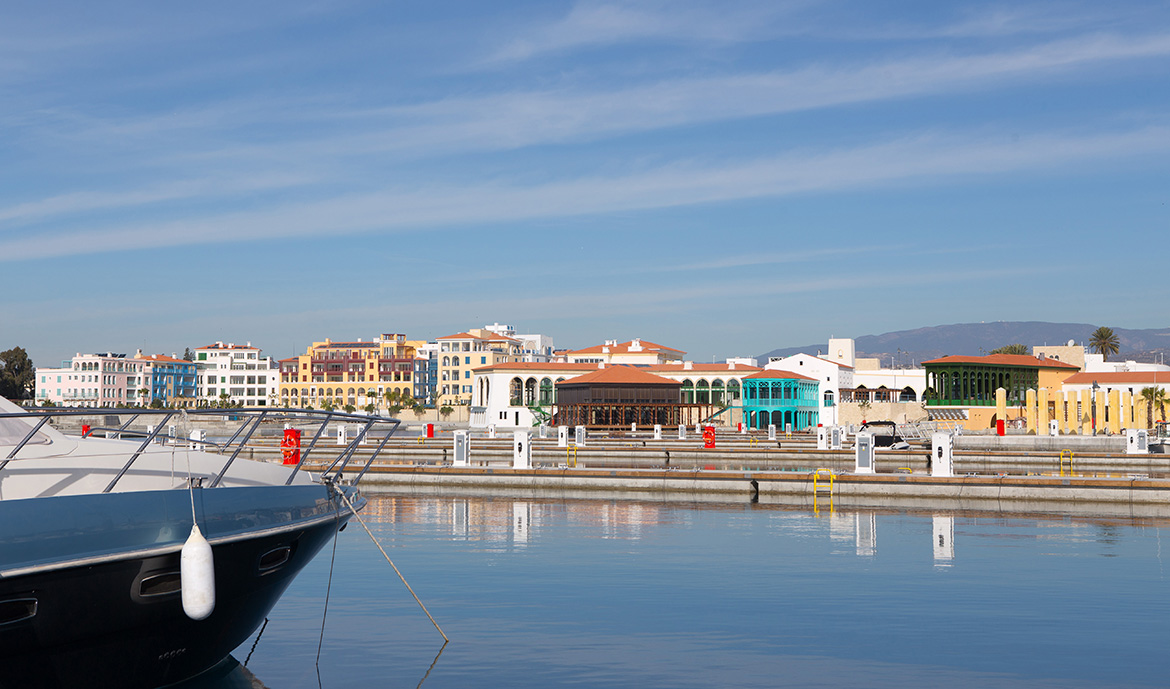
column 688, row 391
column 516, row 392
column 546, row 391
column 717, row 391
column 733, row 389
column 828, row 398
column 530, row 392
column 702, row 392
column 907, row 395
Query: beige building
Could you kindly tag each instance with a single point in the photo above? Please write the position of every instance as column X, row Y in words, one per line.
column 460, row 354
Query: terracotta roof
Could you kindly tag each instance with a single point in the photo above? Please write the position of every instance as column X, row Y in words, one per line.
column 678, row 367
column 775, row 373
column 1146, row 378
column 1004, row 360
column 165, row 358
column 624, row 348
column 626, row 375
column 550, row 367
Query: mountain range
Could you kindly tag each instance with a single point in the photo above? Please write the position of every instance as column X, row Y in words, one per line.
column 911, row 347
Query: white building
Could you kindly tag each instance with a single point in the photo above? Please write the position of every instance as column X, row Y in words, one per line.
column 534, row 347
column 521, row 394
column 831, row 375
column 238, row 371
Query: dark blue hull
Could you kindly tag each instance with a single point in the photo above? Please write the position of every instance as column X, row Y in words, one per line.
column 117, row 620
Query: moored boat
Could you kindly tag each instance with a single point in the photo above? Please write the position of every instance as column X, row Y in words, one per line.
column 92, row 534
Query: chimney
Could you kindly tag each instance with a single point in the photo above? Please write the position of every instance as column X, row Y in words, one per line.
column 688, row 365
column 601, row 364
column 731, row 366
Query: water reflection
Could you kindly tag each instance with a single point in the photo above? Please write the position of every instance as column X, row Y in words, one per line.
column 548, row 592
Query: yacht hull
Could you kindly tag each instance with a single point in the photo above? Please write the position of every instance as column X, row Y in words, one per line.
column 115, row 617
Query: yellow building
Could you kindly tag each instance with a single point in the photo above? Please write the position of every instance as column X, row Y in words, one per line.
column 354, row 373
column 462, row 353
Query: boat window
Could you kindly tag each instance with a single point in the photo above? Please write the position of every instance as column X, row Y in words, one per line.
column 275, row 558
column 160, row 584
column 17, row 610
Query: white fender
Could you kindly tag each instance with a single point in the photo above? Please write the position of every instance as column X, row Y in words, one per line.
column 197, row 575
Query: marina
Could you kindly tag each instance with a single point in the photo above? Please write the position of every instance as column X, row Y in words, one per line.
column 617, row 592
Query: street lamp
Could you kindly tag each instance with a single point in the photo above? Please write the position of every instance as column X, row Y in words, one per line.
column 1093, row 405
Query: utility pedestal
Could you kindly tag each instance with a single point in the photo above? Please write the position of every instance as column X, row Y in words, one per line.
column 942, row 454
column 521, row 450
column 462, row 449
column 864, row 455
column 1137, row 442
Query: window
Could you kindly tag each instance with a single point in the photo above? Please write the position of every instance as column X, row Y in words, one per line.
column 467, row 360
column 483, row 360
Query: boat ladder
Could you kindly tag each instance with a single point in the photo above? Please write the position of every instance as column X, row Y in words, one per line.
column 820, row 486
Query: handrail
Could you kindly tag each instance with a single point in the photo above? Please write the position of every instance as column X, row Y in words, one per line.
column 240, row 448
column 137, row 453
column 254, row 418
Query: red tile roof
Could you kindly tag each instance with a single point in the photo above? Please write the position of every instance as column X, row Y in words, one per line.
column 679, row 367
column 1004, row 360
column 166, row 359
column 624, row 375
column 624, row 348
column 1143, row 378
column 546, row 366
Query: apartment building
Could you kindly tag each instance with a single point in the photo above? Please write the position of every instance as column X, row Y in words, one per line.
column 460, row 354
column 348, row 373
column 239, row 371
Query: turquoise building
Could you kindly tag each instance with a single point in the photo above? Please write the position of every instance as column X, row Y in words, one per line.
column 780, row 398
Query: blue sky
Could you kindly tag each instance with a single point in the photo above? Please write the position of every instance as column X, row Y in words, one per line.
column 721, row 177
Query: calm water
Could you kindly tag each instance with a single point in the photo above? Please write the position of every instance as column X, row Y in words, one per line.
column 611, row 593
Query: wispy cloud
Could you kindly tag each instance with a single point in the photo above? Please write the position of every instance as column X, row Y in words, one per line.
column 590, row 24
column 87, row 201
column 924, row 159
column 513, row 120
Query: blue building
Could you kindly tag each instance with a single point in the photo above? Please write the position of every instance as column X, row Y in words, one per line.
column 426, row 377
column 171, row 380
column 778, row 398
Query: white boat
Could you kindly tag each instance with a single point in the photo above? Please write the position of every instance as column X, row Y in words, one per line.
column 92, row 531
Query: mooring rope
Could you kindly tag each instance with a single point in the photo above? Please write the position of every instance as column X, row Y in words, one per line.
column 256, row 642
column 325, row 612
column 375, row 540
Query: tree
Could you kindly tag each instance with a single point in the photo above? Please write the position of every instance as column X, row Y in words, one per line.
column 188, row 355
column 445, row 411
column 1154, row 396
column 1104, row 342
column 17, row 374
column 1010, row 349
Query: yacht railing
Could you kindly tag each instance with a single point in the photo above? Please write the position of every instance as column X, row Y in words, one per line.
column 251, row 420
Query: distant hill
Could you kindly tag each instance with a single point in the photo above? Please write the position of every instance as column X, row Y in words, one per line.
column 906, row 347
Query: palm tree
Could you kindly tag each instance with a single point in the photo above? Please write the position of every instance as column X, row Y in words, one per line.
column 1104, row 342
column 1010, row 349
column 1154, row 396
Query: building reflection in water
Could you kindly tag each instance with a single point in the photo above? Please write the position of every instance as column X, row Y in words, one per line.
column 943, row 532
column 509, row 522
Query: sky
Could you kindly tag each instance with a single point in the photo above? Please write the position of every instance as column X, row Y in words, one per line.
column 724, row 178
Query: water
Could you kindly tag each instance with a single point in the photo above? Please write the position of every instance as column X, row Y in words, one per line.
column 612, row 593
